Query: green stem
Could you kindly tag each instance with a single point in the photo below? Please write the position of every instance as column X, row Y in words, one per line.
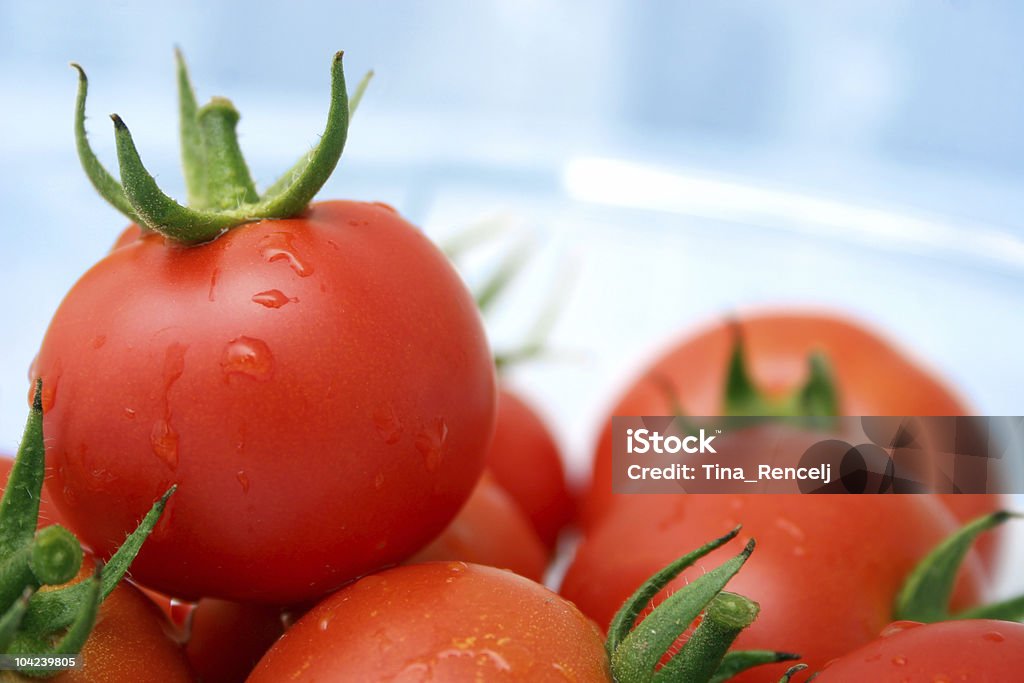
column 19, row 507
column 56, row 556
column 11, row 619
column 642, row 650
column 927, row 591
column 624, row 620
column 193, row 154
column 105, row 184
column 725, row 617
column 791, row 671
column 220, row 188
column 228, row 182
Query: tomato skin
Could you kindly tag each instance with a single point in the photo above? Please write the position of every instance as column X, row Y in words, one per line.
column 825, row 573
column 227, row 639
column 978, row 650
column 525, row 460
column 872, row 378
column 441, row 622
column 489, row 530
column 330, row 367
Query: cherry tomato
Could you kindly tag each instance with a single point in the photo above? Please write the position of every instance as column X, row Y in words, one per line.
column 443, row 622
column 330, row 367
column 130, row 641
column 978, row 650
column 826, row 571
column 490, row 530
column 871, row 376
column 525, row 460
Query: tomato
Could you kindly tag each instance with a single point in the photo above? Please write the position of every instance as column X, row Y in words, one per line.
column 48, row 512
column 227, row 639
column 979, row 650
column 130, row 641
column 525, row 460
column 443, row 622
column 491, row 530
column 826, row 571
column 871, row 376
column 320, row 389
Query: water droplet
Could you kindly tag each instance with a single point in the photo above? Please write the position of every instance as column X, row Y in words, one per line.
column 211, row 294
column 278, row 246
column 387, row 423
column 324, row 623
column 243, row 480
column 994, row 636
column 273, row 298
column 174, row 363
column 357, row 223
column 378, row 481
column 430, row 443
column 164, row 440
column 129, row 414
column 99, row 340
column 33, row 371
column 385, row 206
column 899, row 661
column 791, row 528
column 248, row 356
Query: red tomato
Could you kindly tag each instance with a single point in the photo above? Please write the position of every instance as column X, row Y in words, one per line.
column 871, row 376
column 826, row 571
column 490, row 530
column 524, row 458
column 227, row 639
column 130, row 642
column 320, row 389
column 979, row 650
column 442, row 622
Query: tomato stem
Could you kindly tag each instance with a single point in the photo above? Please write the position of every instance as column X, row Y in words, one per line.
column 927, row 591
column 55, row 621
column 724, row 618
column 817, row 397
column 221, row 194
column 636, row 650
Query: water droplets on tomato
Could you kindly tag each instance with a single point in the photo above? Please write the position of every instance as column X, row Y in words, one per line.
column 164, row 441
column 378, row 481
column 994, row 637
column 273, row 298
column 248, row 356
column 243, row 480
column 129, row 414
column 388, row 426
column 899, row 661
column 430, row 443
column 211, row 293
column 279, row 246
column 385, row 206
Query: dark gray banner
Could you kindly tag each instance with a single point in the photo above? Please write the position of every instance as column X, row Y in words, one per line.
column 666, row 454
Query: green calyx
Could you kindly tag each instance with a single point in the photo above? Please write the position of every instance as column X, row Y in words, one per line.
column 221, row 192
column 815, row 398
column 56, row 621
column 646, row 651
column 926, row 593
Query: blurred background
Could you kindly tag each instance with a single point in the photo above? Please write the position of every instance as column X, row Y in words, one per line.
column 668, row 162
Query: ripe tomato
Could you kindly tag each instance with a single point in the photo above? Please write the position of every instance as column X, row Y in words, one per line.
column 330, row 367
column 226, row 639
column 871, row 377
column 525, row 461
column 443, row 622
column 970, row 650
column 131, row 641
column 490, row 530
column 826, row 571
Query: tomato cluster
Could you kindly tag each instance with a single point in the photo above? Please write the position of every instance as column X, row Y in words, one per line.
column 299, row 403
